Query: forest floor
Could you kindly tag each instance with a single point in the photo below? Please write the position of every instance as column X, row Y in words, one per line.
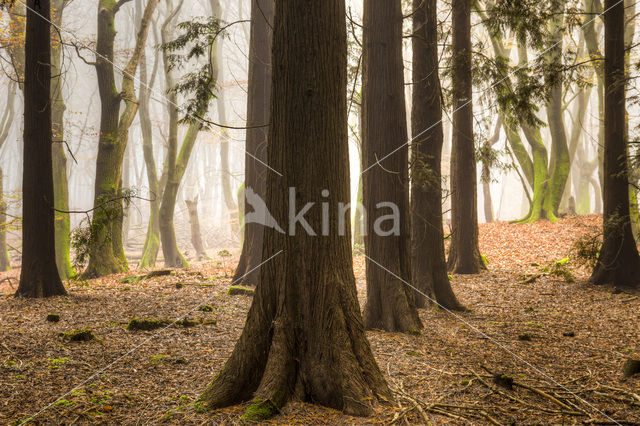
column 531, row 349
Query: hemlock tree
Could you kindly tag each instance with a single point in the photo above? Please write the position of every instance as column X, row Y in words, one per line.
column 304, row 335
column 106, row 251
column 259, row 98
column 390, row 301
column 427, row 236
column 39, row 274
column 464, row 253
column 619, row 262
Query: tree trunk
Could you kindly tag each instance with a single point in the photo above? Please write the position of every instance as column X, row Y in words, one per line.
column 156, row 185
column 39, row 274
column 618, row 263
column 60, row 180
column 304, row 335
column 464, row 253
column 259, row 99
column 5, row 260
column 427, row 237
column 390, row 301
column 560, row 163
column 196, row 235
column 106, row 248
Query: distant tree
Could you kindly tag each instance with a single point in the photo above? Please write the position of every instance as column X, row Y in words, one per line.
column 427, row 236
column 618, row 262
column 39, row 274
column 464, row 252
column 5, row 260
column 304, row 333
column 258, row 103
column 390, row 301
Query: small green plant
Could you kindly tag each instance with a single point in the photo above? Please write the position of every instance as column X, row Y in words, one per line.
column 224, row 254
column 57, row 362
column 586, row 249
column 64, row 402
column 157, row 359
column 561, row 269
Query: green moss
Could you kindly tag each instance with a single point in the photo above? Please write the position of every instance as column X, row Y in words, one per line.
column 205, row 308
column 260, row 410
column 132, row 279
column 240, row 291
column 146, row 324
column 82, row 335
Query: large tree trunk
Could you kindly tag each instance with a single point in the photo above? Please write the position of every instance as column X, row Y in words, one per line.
column 390, row 301
column 106, row 248
column 304, row 335
column 464, row 252
column 60, row 180
column 259, row 98
column 427, row 236
column 618, row 263
column 39, row 274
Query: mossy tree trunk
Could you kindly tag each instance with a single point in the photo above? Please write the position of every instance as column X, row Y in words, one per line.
column 619, row 262
column 390, row 301
column 60, row 179
column 258, row 103
column 6, row 122
column 428, row 260
column 156, row 184
column 106, row 249
column 5, row 260
column 304, row 335
column 464, row 252
column 39, row 274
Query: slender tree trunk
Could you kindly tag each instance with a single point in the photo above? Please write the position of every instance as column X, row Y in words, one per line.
column 5, row 260
column 427, row 237
column 390, row 301
column 259, row 99
column 560, row 163
column 6, row 122
column 156, row 185
column 196, row 235
column 60, row 180
column 618, row 263
column 464, row 253
column 39, row 274
column 485, row 176
column 304, row 335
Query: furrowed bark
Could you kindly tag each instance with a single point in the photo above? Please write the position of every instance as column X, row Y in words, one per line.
column 390, row 301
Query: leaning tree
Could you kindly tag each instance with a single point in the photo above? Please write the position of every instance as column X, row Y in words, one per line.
column 304, row 334
column 619, row 262
column 39, row 274
column 385, row 152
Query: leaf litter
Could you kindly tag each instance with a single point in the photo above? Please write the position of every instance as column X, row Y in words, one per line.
column 474, row 367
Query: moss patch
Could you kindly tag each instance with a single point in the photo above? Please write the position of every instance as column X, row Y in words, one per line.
column 53, row 318
column 260, row 410
column 83, row 335
column 236, row 290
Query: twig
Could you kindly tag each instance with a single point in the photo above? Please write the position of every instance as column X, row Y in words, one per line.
column 543, row 394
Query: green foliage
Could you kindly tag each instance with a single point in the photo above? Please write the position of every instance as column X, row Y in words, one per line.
column 560, row 269
column 82, row 335
column 90, row 232
column 195, row 48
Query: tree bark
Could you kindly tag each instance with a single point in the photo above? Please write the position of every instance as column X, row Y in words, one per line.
column 259, row 98
column 106, row 248
column 619, row 262
column 464, row 252
column 427, row 237
column 390, row 301
column 39, row 274
column 304, row 335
